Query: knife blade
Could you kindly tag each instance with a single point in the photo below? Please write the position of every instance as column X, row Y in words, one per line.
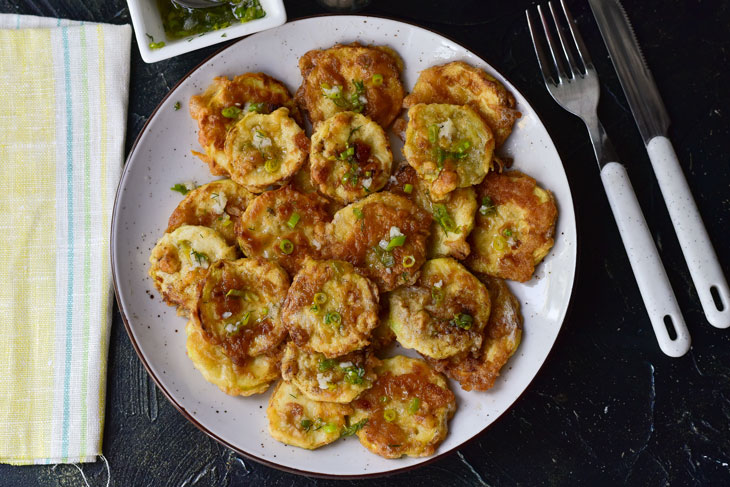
column 653, row 121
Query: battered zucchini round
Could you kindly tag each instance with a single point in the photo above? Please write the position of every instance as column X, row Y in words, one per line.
column 225, row 101
column 253, row 377
column 265, row 149
column 453, row 217
column 461, row 84
column 406, row 411
column 216, row 205
column 502, row 336
column 330, row 308
column 385, row 235
column 285, row 226
column 180, row 261
column 444, row 313
column 514, row 226
column 299, row 421
column 350, row 157
column 351, row 78
column 449, row 146
column 240, row 307
column 320, row 378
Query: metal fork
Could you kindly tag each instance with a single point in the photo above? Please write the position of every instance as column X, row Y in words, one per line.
column 577, row 90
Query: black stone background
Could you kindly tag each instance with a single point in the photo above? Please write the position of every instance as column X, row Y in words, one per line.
column 607, row 407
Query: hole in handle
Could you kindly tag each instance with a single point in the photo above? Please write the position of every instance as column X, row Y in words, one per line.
column 716, row 298
column 670, row 327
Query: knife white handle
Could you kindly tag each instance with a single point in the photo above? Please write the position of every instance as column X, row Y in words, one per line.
column 648, row 270
column 696, row 246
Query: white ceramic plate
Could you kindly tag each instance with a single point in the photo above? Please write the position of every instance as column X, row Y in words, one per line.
column 161, row 157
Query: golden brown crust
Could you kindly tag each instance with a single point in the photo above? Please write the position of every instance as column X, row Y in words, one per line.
column 252, row 377
column 406, row 411
column 359, row 232
column 443, row 313
column 453, row 216
column 343, row 65
column 263, row 150
column 222, row 93
column 216, row 205
column 341, row 316
column 350, row 157
column 449, row 146
column 502, row 336
column 339, row 379
column 461, row 84
column 239, row 307
column 516, row 230
column 299, row 421
column 264, row 227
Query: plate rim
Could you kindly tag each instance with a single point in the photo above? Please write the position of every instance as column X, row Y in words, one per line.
column 190, row 417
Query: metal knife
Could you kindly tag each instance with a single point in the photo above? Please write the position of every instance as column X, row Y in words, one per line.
column 653, row 121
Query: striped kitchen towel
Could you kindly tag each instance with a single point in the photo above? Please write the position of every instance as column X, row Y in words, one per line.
column 63, row 106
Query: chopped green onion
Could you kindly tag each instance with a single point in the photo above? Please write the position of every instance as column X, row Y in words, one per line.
column 314, row 308
column 177, row 106
column 320, row 298
column 377, row 79
column 358, row 213
column 396, row 242
column 181, row 188
column 462, row 146
column 354, row 375
column 347, row 153
column 354, row 428
column 408, row 188
column 293, row 220
column 330, row 428
column 306, row 424
column 414, row 405
column 462, row 320
column 231, row 112
column 433, row 133
column 383, row 399
column 389, row 415
column 271, row 165
column 256, row 107
column 488, row 207
column 225, row 220
column 239, row 293
column 441, row 215
column 507, row 232
column 409, row 261
column 332, row 317
column 499, row 243
column 437, row 294
column 286, row 246
column 326, row 364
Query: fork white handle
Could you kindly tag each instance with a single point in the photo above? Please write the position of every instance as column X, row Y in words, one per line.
column 649, row 272
column 693, row 239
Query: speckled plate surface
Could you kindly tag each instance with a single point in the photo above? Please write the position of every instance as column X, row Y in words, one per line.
column 161, row 157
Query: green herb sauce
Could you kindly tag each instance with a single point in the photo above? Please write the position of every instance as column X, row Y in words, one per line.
column 182, row 22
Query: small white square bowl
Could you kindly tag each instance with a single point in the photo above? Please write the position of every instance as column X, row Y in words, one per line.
column 147, row 21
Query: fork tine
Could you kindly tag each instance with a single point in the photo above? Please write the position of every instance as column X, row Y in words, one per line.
column 580, row 46
column 554, row 51
column 574, row 68
column 542, row 58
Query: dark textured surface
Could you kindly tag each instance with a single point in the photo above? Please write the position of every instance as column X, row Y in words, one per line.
column 608, row 407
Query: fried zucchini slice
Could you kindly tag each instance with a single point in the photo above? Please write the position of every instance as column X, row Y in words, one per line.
column 285, row 226
column 339, row 379
column 225, row 101
column 240, row 307
column 180, row 261
column 330, row 308
column 514, row 226
column 385, row 235
column 265, row 149
column 253, row 377
column 443, row 313
column 453, row 217
column 502, row 336
column 351, row 78
column 350, row 157
column 216, row 205
column 458, row 83
column 299, row 421
column 406, row 412
column 449, row 146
